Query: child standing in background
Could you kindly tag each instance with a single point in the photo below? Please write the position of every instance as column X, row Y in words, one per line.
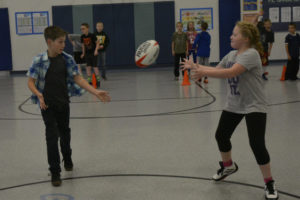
column 191, row 34
column 102, row 44
column 267, row 40
column 292, row 44
column 88, row 41
column 180, row 45
column 202, row 44
column 77, row 49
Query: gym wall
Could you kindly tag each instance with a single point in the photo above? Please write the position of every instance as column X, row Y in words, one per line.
column 5, row 47
column 127, row 25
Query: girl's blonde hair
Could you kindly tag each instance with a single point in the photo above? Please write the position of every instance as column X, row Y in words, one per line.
column 251, row 32
column 188, row 26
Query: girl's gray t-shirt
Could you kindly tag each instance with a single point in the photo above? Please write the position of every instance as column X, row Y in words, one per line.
column 245, row 93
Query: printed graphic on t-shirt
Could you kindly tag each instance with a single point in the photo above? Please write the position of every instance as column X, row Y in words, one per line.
column 88, row 43
column 233, row 82
column 101, row 39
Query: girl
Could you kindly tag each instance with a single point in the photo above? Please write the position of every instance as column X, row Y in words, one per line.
column 242, row 68
column 179, row 47
column 191, row 34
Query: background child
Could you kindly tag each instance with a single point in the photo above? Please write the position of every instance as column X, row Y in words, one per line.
column 245, row 98
column 88, row 41
column 53, row 77
column 202, row 44
column 191, row 34
column 267, row 40
column 292, row 44
column 102, row 44
column 77, row 49
column 179, row 47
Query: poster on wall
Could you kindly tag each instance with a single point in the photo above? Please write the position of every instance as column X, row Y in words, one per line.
column 197, row 15
column 29, row 23
column 23, row 23
column 251, row 5
column 40, row 22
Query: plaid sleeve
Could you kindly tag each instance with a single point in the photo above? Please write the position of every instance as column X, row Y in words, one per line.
column 74, row 67
column 33, row 70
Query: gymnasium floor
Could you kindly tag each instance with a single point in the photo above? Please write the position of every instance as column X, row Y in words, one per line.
column 155, row 140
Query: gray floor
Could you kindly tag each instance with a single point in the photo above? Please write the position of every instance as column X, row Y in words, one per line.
column 155, row 140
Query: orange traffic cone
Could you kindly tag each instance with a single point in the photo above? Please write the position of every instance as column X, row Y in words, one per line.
column 283, row 73
column 186, row 80
column 94, row 81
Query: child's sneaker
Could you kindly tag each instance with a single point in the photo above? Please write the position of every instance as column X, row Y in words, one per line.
column 205, row 80
column 55, row 179
column 264, row 77
column 68, row 164
column 270, row 191
column 223, row 172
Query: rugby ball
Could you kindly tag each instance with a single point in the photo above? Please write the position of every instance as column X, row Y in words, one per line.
column 147, row 53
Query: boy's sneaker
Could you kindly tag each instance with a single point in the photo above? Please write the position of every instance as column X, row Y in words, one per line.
column 223, row 172
column 55, row 179
column 264, row 77
column 270, row 191
column 68, row 164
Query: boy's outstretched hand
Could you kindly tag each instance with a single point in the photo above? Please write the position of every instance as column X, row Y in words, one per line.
column 102, row 95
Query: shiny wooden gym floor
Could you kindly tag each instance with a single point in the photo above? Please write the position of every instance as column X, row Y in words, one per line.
column 154, row 141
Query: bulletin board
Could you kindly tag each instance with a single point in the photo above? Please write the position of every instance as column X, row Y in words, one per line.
column 281, row 13
column 197, row 15
column 30, row 23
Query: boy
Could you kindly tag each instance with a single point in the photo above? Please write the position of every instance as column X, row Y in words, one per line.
column 88, row 41
column 77, row 49
column 292, row 44
column 180, row 45
column 102, row 44
column 267, row 40
column 52, row 79
column 202, row 43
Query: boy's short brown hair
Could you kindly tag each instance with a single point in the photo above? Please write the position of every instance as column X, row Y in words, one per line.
column 86, row 25
column 293, row 24
column 54, row 32
column 204, row 26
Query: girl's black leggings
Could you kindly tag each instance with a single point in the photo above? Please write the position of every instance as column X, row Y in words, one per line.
column 256, row 126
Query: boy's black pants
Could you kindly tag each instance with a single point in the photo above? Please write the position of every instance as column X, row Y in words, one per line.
column 292, row 69
column 56, row 119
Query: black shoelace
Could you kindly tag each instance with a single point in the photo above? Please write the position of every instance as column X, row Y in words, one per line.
column 270, row 187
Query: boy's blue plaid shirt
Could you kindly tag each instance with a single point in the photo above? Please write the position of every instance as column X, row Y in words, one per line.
column 38, row 71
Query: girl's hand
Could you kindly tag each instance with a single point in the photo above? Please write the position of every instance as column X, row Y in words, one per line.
column 188, row 64
column 197, row 73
